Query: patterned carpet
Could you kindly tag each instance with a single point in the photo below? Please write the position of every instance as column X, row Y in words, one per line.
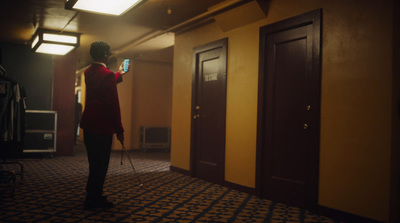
column 53, row 190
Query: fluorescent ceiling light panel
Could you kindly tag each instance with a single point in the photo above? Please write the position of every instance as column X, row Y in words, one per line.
column 54, row 42
column 55, row 49
column 110, row 7
column 60, row 38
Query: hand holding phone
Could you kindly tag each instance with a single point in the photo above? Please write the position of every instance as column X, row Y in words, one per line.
column 126, row 65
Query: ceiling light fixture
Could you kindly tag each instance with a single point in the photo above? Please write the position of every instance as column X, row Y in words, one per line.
column 114, row 7
column 54, row 42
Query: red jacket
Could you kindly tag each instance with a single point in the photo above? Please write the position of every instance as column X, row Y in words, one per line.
column 102, row 114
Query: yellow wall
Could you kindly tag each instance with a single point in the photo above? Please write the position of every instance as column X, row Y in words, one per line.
column 151, row 96
column 356, row 107
column 145, row 98
column 356, row 100
column 83, row 99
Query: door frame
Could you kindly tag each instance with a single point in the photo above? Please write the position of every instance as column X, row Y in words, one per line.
column 314, row 17
column 197, row 50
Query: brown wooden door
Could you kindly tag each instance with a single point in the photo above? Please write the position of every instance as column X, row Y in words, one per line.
column 289, row 115
column 209, row 111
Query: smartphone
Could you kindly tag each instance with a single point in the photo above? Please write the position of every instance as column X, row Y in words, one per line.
column 126, row 65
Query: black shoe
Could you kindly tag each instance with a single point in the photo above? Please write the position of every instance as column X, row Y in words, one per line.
column 100, row 202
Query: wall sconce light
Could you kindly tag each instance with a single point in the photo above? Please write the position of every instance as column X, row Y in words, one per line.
column 114, row 7
column 54, row 42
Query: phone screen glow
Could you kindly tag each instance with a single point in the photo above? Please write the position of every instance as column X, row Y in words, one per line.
column 126, row 65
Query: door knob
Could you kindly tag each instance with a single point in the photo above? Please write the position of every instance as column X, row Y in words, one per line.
column 306, row 126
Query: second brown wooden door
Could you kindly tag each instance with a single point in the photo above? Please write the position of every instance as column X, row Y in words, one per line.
column 289, row 115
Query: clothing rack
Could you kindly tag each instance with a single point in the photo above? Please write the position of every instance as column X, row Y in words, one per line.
column 12, row 130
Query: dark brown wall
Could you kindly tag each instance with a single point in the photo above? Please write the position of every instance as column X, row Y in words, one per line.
column 34, row 71
column 64, row 101
column 395, row 157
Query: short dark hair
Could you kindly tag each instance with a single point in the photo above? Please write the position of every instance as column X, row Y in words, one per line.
column 99, row 49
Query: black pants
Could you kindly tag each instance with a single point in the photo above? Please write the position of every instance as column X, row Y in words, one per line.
column 98, row 149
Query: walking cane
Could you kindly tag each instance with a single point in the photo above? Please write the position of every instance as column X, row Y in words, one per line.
column 130, row 161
